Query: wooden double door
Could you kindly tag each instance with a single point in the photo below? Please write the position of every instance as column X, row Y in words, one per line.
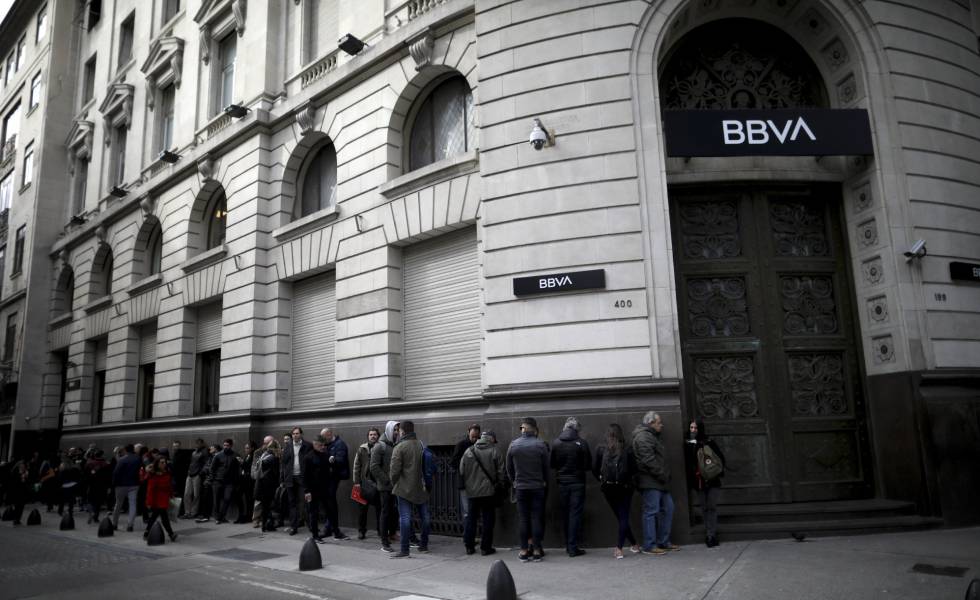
column 770, row 356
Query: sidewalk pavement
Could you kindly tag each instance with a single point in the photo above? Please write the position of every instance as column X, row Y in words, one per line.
column 870, row 566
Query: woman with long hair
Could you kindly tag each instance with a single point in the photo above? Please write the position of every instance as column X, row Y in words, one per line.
column 159, row 490
column 614, row 468
column 267, row 481
column 708, row 489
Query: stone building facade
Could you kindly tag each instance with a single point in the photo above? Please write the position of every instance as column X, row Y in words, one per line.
column 262, row 230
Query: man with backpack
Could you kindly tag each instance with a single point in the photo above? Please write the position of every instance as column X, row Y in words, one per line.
column 408, row 473
column 482, row 470
column 571, row 459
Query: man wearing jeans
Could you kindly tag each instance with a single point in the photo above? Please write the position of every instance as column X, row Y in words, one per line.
column 527, row 468
column 195, row 477
column 653, row 479
column 408, row 487
column 126, row 481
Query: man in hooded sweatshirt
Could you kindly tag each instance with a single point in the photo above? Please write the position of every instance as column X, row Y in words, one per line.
column 380, row 467
column 571, row 460
column 653, row 479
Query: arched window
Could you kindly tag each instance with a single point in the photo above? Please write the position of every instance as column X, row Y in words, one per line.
column 102, row 272
column 215, row 217
column 64, row 296
column 153, row 250
column 740, row 63
column 319, row 189
column 444, row 124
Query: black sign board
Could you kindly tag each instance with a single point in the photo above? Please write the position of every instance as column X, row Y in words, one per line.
column 560, row 282
column 782, row 132
column 74, row 384
column 962, row 271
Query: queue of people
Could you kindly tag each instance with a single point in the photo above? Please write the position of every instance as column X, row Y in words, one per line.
column 297, row 482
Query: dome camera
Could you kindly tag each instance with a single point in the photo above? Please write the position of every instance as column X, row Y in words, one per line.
column 539, row 137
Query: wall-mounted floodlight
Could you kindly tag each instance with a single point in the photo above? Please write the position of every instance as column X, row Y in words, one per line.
column 236, row 111
column 350, row 44
column 118, row 192
column 168, row 157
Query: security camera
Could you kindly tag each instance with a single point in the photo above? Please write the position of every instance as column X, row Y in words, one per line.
column 917, row 250
column 539, row 137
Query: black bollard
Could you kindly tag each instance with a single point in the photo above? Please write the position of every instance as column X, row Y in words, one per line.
column 973, row 592
column 106, row 528
column 500, row 583
column 67, row 522
column 309, row 557
column 34, row 518
column 8, row 514
column 156, row 535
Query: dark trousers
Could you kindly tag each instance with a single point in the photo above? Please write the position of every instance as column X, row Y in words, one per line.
column 159, row 513
column 572, row 506
column 362, row 514
column 317, row 501
column 331, row 509
column 389, row 516
column 485, row 507
column 709, row 508
column 530, row 514
column 246, row 500
column 222, row 498
column 266, row 495
column 96, row 498
column 295, row 494
column 619, row 498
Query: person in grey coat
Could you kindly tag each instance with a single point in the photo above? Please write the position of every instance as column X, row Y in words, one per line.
column 652, row 480
column 527, row 468
column 380, row 467
column 482, row 470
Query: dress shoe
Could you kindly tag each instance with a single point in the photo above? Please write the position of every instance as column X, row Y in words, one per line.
column 488, row 552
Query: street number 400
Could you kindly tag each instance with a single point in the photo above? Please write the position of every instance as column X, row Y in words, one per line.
column 623, row 304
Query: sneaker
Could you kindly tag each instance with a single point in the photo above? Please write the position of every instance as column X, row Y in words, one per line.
column 523, row 556
column 617, row 553
column 319, row 540
column 423, row 549
column 488, row 552
column 635, row 549
column 537, row 557
column 671, row 547
column 413, row 543
column 386, row 548
column 470, row 551
column 201, row 520
column 220, row 521
column 173, row 537
column 129, row 529
column 341, row 536
column 576, row 552
column 399, row 555
column 292, row 531
column 361, row 535
column 655, row 551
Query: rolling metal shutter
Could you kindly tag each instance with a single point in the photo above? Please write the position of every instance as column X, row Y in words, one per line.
column 148, row 344
column 442, row 318
column 209, row 327
column 100, row 353
column 314, row 333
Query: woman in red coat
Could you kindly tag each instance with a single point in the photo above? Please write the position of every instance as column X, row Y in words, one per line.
column 159, row 489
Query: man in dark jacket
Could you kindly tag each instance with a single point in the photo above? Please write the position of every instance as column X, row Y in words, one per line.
column 653, row 479
column 380, row 467
column 291, row 475
column 195, row 480
column 224, row 474
column 362, row 473
column 482, row 469
column 316, row 484
column 472, row 435
column 336, row 450
column 179, row 465
column 126, row 481
column 527, row 467
column 571, row 460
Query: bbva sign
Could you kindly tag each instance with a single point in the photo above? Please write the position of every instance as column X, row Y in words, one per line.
column 560, row 282
column 782, row 132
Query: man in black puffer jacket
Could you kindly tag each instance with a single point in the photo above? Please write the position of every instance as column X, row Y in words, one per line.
column 224, row 474
column 571, row 460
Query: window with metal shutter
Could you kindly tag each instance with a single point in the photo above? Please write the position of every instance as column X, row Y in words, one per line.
column 148, row 343
column 314, row 327
column 442, row 318
column 209, row 327
column 100, row 353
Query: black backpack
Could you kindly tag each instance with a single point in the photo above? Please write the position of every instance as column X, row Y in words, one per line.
column 615, row 468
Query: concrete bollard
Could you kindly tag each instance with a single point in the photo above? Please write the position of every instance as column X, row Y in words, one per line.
column 67, row 522
column 34, row 518
column 155, row 538
column 106, row 528
column 500, row 583
column 973, row 592
column 309, row 557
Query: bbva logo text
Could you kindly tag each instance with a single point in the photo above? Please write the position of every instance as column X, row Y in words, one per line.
column 756, row 131
column 552, row 282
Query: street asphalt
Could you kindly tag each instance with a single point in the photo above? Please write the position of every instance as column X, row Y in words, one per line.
column 239, row 562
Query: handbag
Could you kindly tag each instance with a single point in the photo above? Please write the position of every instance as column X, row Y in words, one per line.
column 369, row 490
column 355, row 495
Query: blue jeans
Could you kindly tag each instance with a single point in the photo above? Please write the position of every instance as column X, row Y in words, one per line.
column 658, row 512
column 405, row 523
column 572, row 506
column 530, row 512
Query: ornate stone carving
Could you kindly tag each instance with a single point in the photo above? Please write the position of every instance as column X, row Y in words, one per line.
column 163, row 66
column 205, row 166
column 725, row 387
column 798, row 229
column 873, row 271
column 722, row 69
column 862, row 198
column 883, row 349
column 146, row 206
column 812, row 22
column 847, row 90
column 808, row 305
column 421, row 50
column 100, row 234
column 81, row 140
column 117, row 109
column 709, row 230
column 816, row 384
column 867, row 234
column 878, row 309
column 835, row 54
column 305, row 118
column 717, row 307
column 205, row 43
column 238, row 8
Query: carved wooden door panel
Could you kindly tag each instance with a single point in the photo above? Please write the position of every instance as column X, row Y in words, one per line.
column 770, row 359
